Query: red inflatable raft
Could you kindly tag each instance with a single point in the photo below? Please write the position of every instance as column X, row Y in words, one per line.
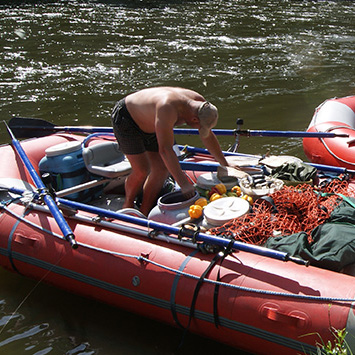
column 265, row 304
column 335, row 115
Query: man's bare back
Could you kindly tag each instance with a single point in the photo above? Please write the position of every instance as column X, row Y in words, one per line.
column 143, row 105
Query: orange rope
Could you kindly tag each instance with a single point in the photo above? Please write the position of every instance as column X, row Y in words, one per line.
column 299, row 208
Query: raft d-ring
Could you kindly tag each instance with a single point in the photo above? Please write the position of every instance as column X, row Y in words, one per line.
column 153, row 234
column 189, row 230
column 96, row 219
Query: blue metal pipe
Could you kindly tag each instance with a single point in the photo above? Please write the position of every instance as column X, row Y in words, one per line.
column 199, row 236
column 203, row 237
column 62, row 223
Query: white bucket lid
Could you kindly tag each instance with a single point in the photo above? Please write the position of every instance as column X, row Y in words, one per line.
column 224, row 209
column 208, row 180
column 63, row 148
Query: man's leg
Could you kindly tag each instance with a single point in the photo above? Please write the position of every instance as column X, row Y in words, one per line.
column 154, row 182
column 135, row 181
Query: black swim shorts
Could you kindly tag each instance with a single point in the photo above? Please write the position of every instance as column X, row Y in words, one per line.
column 131, row 139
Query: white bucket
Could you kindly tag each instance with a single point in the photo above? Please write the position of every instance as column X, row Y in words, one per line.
column 172, row 207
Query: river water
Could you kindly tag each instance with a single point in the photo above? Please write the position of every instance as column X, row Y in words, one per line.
column 267, row 62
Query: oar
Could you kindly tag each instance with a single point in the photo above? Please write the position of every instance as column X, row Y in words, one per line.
column 210, row 166
column 24, row 127
column 34, row 127
column 263, row 133
column 63, row 225
column 193, row 166
column 197, row 150
column 331, row 168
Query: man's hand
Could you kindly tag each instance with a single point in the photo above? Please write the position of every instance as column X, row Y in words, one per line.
column 188, row 191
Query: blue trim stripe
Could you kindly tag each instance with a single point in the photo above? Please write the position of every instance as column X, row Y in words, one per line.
column 208, row 317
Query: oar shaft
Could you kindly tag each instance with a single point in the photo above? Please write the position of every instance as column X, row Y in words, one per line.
column 263, row 133
column 192, row 166
column 331, row 168
column 206, row 152
column 218, row 132
column 63, row 225
column 213, row 166
column 295, row 134
column 21, row 124
column 71, row 129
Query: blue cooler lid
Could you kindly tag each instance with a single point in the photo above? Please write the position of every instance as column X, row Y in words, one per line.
column 63, row 148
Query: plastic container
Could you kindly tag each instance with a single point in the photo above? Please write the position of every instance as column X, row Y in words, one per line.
column 172, row 208
column 271, row 185
column 221, row 211
column 64, row 162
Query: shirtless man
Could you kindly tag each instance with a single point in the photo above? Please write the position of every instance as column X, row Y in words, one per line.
column 143, row 124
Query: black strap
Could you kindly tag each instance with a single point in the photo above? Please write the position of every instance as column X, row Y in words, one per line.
column 227, row 250
column 199, row 284
column 197, row 289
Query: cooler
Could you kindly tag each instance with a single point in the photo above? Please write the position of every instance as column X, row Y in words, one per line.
column 64, row 162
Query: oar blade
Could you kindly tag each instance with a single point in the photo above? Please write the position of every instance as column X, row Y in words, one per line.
column 24, row 127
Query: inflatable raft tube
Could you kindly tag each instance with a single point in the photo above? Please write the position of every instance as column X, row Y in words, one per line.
column 335, row 115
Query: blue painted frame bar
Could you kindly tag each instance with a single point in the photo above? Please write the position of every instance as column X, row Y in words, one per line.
column 62, row 223
column 202, row 237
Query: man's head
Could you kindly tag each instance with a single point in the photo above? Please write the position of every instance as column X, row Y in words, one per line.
column 208, row 116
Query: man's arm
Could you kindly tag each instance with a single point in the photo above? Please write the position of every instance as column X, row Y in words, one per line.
column 166, row 118
column 212, row 145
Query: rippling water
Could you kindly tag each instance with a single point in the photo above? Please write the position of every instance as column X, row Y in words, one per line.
column 268, row 62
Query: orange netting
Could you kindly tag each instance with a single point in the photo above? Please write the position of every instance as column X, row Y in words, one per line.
column 299, row 208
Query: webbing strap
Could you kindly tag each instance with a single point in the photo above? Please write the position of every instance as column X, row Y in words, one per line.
column 197, row 289
column 227, row 250
column 199, row 284
column 174, row 287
